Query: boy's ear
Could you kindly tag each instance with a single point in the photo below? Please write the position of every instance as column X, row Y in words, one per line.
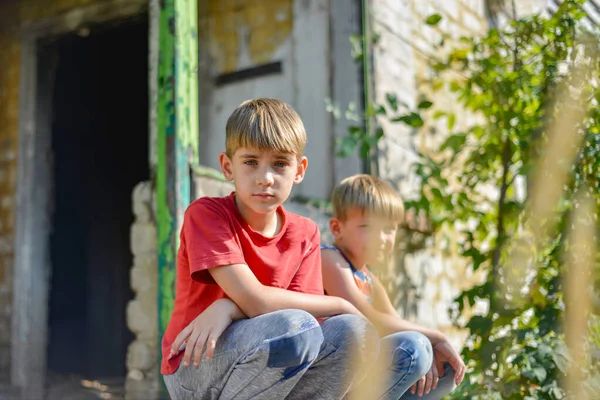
column 302, row 165
column 335, row 226
column 225, row 162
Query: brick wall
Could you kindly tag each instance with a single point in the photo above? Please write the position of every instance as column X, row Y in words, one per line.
column 427, row 280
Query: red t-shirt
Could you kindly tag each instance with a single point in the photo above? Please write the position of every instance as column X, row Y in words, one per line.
column 214, row 233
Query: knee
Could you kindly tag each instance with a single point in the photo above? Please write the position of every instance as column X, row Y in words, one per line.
column 356, row 333
column 412, row 351
column 300, row 342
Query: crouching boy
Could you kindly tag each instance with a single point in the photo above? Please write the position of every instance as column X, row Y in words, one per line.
column 249, row 287
column 366, row 214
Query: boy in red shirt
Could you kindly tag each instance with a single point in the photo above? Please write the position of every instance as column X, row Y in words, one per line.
column 249, row 284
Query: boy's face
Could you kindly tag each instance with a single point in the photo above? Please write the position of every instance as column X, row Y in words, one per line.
column 369, row 238
column 263, row 180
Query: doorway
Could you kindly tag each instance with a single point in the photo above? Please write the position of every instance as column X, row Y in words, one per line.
column 99, row 145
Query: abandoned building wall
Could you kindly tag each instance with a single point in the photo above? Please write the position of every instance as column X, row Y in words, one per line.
column 14, row 15
column 142, row 381
column 9, row 109
column 281, row 49
column 401, row 55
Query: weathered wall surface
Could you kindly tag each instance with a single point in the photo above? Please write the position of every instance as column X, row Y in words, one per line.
column 400, row 65
column 14, row 15
column 9, row 106
column 142, row 380
column 238, row 35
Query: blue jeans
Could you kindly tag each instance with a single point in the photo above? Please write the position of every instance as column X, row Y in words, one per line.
column 289, row 355
column 409, row 358
column 281, row 355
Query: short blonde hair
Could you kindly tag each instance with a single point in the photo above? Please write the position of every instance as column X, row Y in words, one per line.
column 266, row 125
column 367, row 194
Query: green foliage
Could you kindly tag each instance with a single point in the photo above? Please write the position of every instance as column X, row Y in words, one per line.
column 477, row 182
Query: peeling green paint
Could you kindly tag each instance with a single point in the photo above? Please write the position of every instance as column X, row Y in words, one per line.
column 165, row 134
column 186, row 69
column 177, row 136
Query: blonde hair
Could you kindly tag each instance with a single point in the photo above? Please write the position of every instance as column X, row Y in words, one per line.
column 266, row 125
column 367, row 194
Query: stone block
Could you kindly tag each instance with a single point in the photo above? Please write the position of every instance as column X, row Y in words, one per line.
column 391, row 17
column 144, row 275
column 142, row 315
column 208, row 186
column 473, row 23
column 141, row 356
column 142, row 197
column 143, row 238
column 477, row 7
column 422, row 10
column 442, row 317
column 450, row 8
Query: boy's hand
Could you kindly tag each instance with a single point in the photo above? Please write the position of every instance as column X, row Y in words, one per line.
column 444, row 352
column 204, row 330
column 428, row 382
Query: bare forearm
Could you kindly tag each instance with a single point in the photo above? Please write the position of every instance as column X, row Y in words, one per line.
column 234, row 312
column 387, row 324
column 274, row 299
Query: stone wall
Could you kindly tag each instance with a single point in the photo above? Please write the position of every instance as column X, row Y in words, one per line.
column 424, row 282
column 142, row 380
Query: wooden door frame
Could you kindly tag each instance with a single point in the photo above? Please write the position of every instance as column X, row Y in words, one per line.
column 33, row 216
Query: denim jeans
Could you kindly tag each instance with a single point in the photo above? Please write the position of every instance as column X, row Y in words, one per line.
column 409, row 357
column 281, row 355
column 289, row 355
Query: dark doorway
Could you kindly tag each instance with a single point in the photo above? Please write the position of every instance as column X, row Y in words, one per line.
column 100, row 152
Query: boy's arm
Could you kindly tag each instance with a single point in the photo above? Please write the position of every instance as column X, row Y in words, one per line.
column 215, row 255
column 381, row 302
column 254, row 298
column 204, row 330
column 442, row 349
column 338, row 281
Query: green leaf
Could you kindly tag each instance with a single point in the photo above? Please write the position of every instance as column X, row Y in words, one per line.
column 425, row 104
column 480, row 325
column 346, row 146
column 392, row 101
column 540, row 374
column 356, row 132
column 413, row 119
column 433, row 19
column 439, row 114
column 356, row 43
column 454, row 142
column 451, row 121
